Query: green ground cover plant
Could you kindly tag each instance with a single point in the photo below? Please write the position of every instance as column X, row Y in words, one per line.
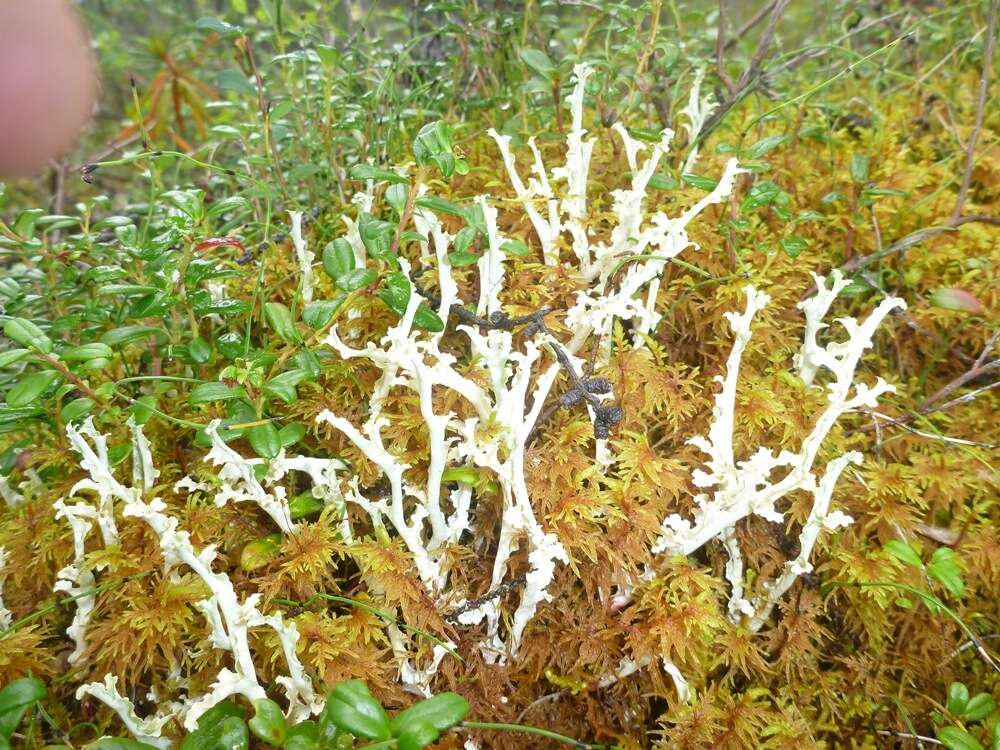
column 508, row 375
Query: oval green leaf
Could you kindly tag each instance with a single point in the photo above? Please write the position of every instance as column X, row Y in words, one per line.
column 264, row 440
column 351, row 708
column 31, row 387
column 441, row 711
column 268, row 722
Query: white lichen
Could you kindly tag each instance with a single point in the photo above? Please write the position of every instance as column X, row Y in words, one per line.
column 9, row 494
column 638, row 248
column 6, row 618
column 754, row 486
column 239, row 482
column 304, row 257
column 231, row 620
column 77, row 579
column 697, row 111
column 494, row 439
column 146, row 730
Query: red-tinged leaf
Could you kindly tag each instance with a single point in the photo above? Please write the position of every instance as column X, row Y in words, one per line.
column 957, row 299
column 220, row 242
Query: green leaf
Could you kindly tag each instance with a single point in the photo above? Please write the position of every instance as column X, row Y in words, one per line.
column 904, row 552
column 539, row 62
column 264, row 440
column 359, row 278
column 958, row 698
column 126, row 334
column 232, row 203
column 411, row 236
column 464, row 474
column 291, row 433
column 12, row 356
column 10, row 417
column 427, row 319
column 319, row 313
column 103, row 274
column 945, row 568
column 956, row 738
column 396, row 292
column 220, row 728
column 328, row 55
column 416, row 736
column 217, row 25
column 702, row 183
column 214, row 391
column 303, row 736
column 268, row 722
column 762, row 193
column 234, row 80
column 15, row 699
column 118, row 743
column 338, row 258
column 308, row 363
column 810, row 215
column 24, row 224
column 155, row 305
column 515, row 247
column 663, row 182
column 76, row 409
column 282, row 386
column 441, row 711
column 464, row 239
column 368, row 172
column 859, row 167
column 31, row 387
column 396, row 295
column 304, row 505
column 376, row 236
column 127, row 290
column 350, row 707
column 82, row 353
column 395, row 196
column 260, row 552
column 118, row 453
column 113, row 222
column 26, row 333
column 9, row 288
column 979, row 707
column 142, row 409
column 880, row 191
column 280, row 320
column 433, row 145
column 199, row 350
column 439, row 206
column 459, row 259
column 764, row 145
column 230, row 345
column 793, row 245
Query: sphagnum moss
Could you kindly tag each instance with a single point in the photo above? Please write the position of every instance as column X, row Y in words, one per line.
column 584, row 629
